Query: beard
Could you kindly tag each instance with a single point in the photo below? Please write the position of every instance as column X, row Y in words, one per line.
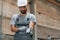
column 23, row 12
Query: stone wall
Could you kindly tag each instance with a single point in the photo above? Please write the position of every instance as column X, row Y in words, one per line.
column 8, row 11
column 48, row 19
column 47, row 14
column 43, row 32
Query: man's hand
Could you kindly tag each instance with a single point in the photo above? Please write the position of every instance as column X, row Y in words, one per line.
column 28, row 30
column 31, row 26
column 14, row 29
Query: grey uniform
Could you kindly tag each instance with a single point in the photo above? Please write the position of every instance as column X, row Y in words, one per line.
column 20, row 21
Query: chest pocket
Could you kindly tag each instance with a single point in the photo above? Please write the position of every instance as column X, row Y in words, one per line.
column 22, row 22
column 27, row 19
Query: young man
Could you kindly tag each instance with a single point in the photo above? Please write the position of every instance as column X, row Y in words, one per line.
column 23, row 23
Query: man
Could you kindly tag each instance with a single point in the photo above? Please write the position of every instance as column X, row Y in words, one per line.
column 23, row 23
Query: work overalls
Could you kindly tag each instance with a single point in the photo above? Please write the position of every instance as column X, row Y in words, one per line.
column 21, row 34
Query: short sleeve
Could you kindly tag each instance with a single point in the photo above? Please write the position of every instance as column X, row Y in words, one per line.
column 12, row 21
column 33, row 18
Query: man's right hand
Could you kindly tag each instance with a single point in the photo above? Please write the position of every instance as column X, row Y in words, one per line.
column 14, row 29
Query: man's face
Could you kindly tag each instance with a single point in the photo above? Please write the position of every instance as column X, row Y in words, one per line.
column 23, row 9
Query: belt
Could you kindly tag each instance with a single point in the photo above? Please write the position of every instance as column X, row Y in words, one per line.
column 22, row 24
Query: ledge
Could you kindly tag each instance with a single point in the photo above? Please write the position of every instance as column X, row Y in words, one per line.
column 53, row 2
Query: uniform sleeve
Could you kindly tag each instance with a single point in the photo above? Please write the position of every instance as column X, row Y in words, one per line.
column 12, row 21
column 33, row 19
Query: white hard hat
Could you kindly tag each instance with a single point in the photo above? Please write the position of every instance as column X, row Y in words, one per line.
column 22, row 2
